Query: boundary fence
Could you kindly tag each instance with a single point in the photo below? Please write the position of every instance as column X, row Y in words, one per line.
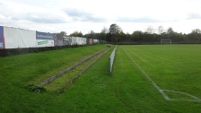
column 111, row 58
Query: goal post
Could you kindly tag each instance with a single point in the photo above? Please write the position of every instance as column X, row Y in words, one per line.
column 166, row 41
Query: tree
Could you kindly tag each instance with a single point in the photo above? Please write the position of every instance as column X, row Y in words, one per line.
column 170, row 31
column 160, row 30
column 103, row 34
column 76, row 34
column 104, row 30
column 176, row 37
column 136, row 36
column 150, row 30
column 92, row 34
column 114, row 29
column 197, row 31
column 114, row 32
column 195, row 35
column 61, row 34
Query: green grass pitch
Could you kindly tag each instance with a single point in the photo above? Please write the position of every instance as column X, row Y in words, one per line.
column 174, row 69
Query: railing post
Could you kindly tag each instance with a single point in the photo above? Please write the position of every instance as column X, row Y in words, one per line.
column 111, row 58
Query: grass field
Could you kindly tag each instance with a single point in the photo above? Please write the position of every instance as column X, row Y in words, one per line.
column 126, row 89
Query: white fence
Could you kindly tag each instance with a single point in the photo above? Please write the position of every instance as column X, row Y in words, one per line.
column 19, row 38
column 11, row 38
column 111, row 58
column 75, row 41
column 44, row 39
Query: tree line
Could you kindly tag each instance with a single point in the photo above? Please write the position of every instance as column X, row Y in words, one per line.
column 116, row 35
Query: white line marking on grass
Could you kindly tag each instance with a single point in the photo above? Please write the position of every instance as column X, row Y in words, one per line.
column 194, row 98
column 162, row 91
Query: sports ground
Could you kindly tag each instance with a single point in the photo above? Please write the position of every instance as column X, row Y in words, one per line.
column 144, row 79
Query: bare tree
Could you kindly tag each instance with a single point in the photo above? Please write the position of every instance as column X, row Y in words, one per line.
column 161, row 30
column 198, row 31
column 104, row 30
column 150, row 30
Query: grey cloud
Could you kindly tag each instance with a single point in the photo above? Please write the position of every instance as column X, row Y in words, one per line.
column 83, row 16
column 193, row 16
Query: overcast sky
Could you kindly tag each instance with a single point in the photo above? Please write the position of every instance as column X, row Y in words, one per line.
column 86, row 15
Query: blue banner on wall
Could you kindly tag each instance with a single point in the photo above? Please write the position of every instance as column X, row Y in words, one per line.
column 2, row 46
column 1, row 32
column 42, row 35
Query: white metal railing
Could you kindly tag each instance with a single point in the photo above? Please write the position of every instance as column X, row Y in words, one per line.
column 111, row 58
